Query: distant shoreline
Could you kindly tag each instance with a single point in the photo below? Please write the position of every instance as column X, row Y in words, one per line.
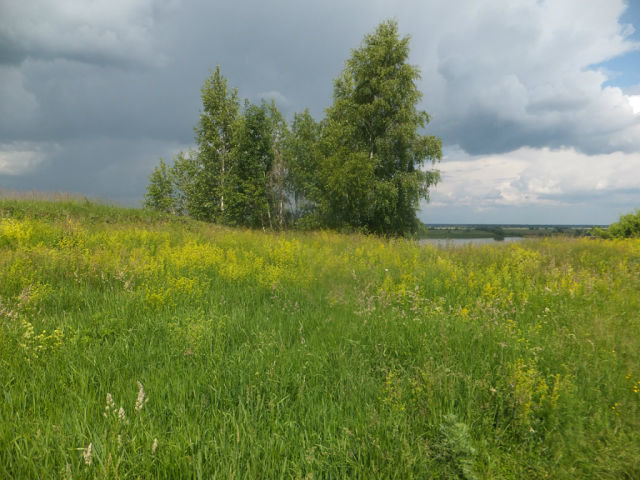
column 500, row 231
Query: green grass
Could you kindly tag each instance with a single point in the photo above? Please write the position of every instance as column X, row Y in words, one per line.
column 309, row 355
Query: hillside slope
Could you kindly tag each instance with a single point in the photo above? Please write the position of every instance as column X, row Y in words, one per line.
column 137, row 345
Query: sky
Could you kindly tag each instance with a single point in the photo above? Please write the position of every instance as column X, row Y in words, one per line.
column 537, row 102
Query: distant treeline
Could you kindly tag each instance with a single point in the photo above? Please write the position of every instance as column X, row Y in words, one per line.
column 628, row 226
column 360, row 168
column 501, row 231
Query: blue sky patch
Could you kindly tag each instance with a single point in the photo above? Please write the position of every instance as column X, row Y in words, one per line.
column 624, row 71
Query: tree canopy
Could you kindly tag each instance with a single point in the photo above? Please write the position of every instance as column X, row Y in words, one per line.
column 373, row 140
column 364, row 166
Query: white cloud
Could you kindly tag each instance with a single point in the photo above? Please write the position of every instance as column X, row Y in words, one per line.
column 22, row 157
column 634, row 101
column 536, row 177
column 499, row 75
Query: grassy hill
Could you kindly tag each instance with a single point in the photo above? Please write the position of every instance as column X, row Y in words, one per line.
column 139, row 345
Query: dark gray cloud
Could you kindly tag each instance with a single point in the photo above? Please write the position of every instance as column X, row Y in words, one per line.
column 74, row 101
column 113, row 169
column 92, row 93
column 100, row 32
column 93, row 113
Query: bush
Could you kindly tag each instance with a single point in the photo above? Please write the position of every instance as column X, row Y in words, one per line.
column 627, row 227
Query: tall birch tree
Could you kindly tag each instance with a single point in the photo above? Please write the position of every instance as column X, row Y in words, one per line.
column 215, row 137
column 376, row 158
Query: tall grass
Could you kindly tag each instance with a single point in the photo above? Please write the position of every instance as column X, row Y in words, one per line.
column 137, row 345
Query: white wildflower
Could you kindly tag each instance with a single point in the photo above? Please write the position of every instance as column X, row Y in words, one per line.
column 154, row 447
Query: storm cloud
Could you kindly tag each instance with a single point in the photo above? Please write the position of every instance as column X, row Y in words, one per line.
column 93, row 93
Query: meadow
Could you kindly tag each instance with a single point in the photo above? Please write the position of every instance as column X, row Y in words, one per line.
column 137, row 345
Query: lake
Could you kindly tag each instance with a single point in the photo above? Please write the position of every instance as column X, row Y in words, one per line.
column 457, row 242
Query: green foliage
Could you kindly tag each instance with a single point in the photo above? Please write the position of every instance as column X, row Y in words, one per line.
column 627, row 227
column 373, row 128
column 278, row 185
column 238, row 174
column 347, row 195
column 362, row 167
column 249, row 196
column 160, row 191
column 186, row 195
column 455, row 448
column 303, row 165
column 215, row 135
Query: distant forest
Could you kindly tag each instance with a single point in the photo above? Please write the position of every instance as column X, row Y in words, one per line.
column 364, row 167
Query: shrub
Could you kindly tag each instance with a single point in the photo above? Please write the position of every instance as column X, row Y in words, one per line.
column 627, row 227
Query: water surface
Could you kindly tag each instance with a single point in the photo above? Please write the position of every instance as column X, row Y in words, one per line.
column 457, row 242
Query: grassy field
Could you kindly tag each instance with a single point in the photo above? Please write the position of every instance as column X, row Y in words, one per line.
column 134, row 345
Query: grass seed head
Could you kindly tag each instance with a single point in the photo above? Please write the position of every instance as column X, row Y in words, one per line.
column 141, row 400
column 110, row 406
column 87, row 454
